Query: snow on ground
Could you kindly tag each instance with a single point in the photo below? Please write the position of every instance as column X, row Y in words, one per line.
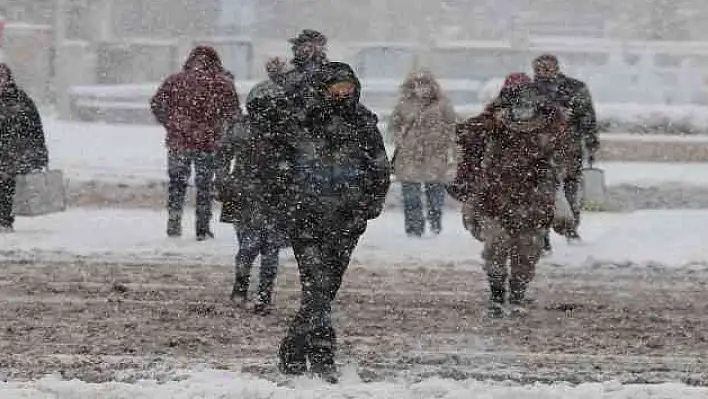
column 670, row 238
column 219, row 384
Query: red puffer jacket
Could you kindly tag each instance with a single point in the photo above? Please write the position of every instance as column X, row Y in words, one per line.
column 196, row 104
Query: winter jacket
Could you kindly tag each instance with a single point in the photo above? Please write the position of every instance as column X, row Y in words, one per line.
column 574, row 99
column 423, row 131
column 22, row 143
column 333, row 164
column 198, row 104
column 510, row 166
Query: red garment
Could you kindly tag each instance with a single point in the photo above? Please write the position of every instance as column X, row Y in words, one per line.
column 196, row 104
column 516, row 78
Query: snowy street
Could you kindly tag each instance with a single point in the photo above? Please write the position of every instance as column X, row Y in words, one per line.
column 98, row 303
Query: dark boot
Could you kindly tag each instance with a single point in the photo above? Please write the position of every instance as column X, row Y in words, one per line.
column 174, row 224
column 263, row 306
column 321, row 351
column 291, row 356
column 203, row 229
column 517, row 296
column 240, row 289
column 497, row 297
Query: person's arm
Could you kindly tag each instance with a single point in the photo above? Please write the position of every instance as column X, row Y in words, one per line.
column 379, row 166
column 33, row 131
column 586, row 120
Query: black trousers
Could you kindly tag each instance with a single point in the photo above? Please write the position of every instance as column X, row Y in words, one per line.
column 323, row 256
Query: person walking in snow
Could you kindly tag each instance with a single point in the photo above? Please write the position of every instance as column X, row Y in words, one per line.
column 23, row 147
column 196, row 106
column 574, row 99
column 243, row 162
column 509, row 166
column 329, row 177
column 423, row 129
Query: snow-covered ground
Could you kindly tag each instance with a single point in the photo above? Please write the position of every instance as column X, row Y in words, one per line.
column 673, row 239
column 220, row 384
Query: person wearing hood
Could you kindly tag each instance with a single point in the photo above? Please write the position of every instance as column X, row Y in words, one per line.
column 196, row 106
column 574, row 99
column 513, row 184
column 23, row 147
column 244, row 161
column 336, row 180
column 471, row 137
column 423, row 129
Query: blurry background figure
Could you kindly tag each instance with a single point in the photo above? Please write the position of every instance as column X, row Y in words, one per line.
column 22, row 144
column 423, row 129
column 196, row 106
column 573, row 98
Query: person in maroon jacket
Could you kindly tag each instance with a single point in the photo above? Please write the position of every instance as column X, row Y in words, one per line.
column 196, row 106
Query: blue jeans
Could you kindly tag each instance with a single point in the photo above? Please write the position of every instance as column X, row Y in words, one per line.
column 254, row 241
column 413, row 206
column 179, row 169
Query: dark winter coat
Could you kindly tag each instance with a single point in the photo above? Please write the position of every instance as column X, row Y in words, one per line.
column 506, row 170
column 198, row 104
column 239, row 179
column 574, row 99
column 337, row 167
column 22, row 143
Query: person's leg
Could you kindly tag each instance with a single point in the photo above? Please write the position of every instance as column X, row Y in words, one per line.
column 204, row 167
column 571, row 184
column 7, row 197
column 178, row 171
column 525, row 254
column 269, row 250
column 248, row 248
column 435, row 195
column 495, row 255
column 413, row 209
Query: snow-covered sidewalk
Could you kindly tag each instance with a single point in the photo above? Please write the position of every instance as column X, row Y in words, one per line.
column 219, row 384
column 673, row 239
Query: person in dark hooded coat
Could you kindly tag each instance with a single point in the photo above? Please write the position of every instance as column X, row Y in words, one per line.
column 243, row 161
column 336, row 180
column 22, row 144
column 196, row 106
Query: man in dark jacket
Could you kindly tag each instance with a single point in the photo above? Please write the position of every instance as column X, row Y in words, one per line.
column 22, row 144
column 574, row 98
column 309, row 55
column 195, row 106
column 336, row 180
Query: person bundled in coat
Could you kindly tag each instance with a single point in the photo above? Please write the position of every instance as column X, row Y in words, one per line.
column 23, row 147
column 423, row 129
column 241, row 166
column 196, row 106
column 511, row 185
column 328, row 177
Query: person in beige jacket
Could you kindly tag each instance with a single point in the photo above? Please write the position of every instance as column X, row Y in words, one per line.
column 423, row 129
